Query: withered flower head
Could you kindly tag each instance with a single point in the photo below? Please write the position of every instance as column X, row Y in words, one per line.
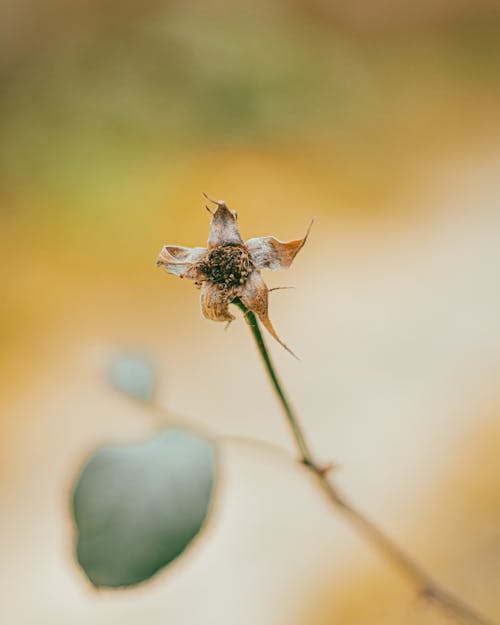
column 229, row 269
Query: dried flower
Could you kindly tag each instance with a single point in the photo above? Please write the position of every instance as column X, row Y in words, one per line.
column 229, row 269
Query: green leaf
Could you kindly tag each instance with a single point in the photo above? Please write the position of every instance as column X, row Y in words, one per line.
column 134, row 375
column 137, row 507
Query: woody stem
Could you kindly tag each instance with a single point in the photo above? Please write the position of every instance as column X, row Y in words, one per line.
column 423, row 583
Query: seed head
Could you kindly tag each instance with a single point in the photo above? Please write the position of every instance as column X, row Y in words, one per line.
column 229, row 269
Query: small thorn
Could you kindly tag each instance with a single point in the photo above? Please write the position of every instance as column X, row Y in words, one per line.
column 280, row 288
column 209, row 209
column 321, row 469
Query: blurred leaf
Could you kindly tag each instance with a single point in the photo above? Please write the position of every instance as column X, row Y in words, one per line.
column 134, row 375
column 137, row 507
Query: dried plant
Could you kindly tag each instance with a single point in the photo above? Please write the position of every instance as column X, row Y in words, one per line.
column 229, row 270
column 124, row 539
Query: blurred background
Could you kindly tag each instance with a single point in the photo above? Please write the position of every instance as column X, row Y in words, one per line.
column 379, row 118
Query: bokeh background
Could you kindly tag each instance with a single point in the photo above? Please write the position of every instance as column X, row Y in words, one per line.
column 381, row 119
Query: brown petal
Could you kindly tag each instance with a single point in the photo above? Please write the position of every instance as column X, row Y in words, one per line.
column 214, row 303
column 269, row 253
column 181, row 261
column 254, row 297
column 224, row 226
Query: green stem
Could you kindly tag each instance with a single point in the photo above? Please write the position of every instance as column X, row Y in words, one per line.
column 425, row 586
column 291, row 417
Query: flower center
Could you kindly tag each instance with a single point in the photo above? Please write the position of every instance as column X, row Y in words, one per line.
column 227, row 265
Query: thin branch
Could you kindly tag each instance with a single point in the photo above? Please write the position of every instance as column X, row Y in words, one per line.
column 422, row 582
column 164, row 417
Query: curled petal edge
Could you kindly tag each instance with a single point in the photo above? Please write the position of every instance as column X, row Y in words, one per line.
column 254, row 296
column 215, row 303
column 273, row 254
column 224, row 227
column 180, row 261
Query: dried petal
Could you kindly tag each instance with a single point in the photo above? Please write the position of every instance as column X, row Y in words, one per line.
column 181, row 261
column 254, row 297
column 270, row 253
column 215, row 303
column 224, row 226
